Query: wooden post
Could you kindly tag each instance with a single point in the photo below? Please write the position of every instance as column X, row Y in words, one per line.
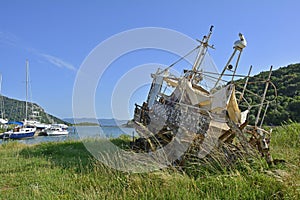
column 246, row 83
column 264, row 96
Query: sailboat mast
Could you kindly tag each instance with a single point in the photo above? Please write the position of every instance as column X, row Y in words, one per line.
column 2, row 107
column 26, row 114
column 0, row 83
column 203, row 50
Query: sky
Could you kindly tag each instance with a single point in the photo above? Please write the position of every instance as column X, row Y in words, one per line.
column 58, row 36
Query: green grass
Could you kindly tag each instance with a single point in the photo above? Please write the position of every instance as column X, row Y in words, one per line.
column 66, row 170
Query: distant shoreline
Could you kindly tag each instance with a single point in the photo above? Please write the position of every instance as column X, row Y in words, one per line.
column 96, row 124
column 86, row 124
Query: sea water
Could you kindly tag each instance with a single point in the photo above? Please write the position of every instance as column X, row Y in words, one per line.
column 81, row 132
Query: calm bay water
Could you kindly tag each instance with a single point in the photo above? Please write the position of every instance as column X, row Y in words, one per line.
column 81, row 132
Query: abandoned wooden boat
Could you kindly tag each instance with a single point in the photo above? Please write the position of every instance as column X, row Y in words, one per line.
column 199, row 111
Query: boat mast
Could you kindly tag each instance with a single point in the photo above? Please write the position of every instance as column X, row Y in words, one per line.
column 26, row 113
column 2, row 103
column 239, row 45
column 202, row 51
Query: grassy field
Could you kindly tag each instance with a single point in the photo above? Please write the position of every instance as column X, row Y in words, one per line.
column 67, row 171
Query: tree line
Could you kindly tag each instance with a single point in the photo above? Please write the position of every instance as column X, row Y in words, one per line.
column 283, row 95
column 14, row 110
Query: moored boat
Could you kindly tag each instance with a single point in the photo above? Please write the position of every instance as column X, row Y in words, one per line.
column 57, row 129
column 20, row 132
column 23, row 130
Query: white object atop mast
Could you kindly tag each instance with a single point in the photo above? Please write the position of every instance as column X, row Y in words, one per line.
column 239, row 45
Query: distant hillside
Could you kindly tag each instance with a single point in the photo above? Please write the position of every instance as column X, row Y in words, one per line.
column 102, row 122
column 14, row 110
column 287, row 107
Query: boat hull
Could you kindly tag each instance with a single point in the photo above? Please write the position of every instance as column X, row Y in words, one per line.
column 18, row 135
column 57, row 129
column 54, row 133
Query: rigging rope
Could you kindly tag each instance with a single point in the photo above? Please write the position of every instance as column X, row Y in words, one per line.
column 181, row 58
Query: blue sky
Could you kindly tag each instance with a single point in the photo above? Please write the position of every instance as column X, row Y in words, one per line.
column 56, row 36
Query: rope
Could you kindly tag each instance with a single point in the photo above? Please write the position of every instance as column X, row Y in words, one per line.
column 181, row 58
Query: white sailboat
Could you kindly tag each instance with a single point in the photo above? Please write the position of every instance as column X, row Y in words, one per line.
column 26, row 130
column 57, row 129
column 34, row 120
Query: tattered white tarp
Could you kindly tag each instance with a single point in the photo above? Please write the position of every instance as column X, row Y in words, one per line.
column 218, row 103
